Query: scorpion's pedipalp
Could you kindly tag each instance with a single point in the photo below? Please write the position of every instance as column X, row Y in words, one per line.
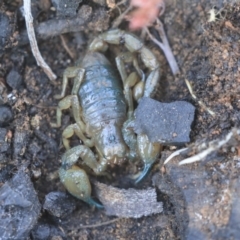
column 148, row 152
column 77, row 183
column 74, row 178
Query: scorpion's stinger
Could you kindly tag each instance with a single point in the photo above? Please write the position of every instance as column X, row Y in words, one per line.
column 143, row 174
column 92, row 202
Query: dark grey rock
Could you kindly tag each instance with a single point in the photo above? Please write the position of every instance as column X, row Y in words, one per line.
column 66, row 8
column 6, row 172
column 166, row 123
column 19, row 208
column 6, row 29
column 43, row 231
column 4, row 145
column 14, row 79
column 6, row 115
column 59, row 204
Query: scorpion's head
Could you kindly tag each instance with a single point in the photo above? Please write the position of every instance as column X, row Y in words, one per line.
column 110, row 144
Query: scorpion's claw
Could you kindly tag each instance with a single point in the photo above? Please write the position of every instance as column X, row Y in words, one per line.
column 149, row 152
column 77, row 183
column 139, row 177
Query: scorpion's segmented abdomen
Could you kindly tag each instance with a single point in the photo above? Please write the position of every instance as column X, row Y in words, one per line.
column 101, row 96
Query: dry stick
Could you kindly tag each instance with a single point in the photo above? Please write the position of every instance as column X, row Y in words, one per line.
column 100, row 224
column 164, row 45
column 56, row 27
column 70, row 53
column 119, row 19
column 231, row 139
column 33, row 42
column 199, row 101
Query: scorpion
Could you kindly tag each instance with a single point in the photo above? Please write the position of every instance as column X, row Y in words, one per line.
column 102, row 102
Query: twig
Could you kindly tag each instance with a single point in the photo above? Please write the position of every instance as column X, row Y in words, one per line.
column 204, row 149
column 70, row 53
column 199, row 101
column 33, row 42
column 119, row 19
column 164, row 45
column 100, row 224
column 55, row 27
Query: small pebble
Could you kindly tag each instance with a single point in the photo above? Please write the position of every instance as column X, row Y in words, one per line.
column 14, row 79
column 66, row 8
column 6, row 115
column 59, row 204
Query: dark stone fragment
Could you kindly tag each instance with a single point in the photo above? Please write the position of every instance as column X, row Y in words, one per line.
column 43, row 231
column 7, row 27
column 194, row 194
column 66, row 8
column 166, row 123
column 34, row 148
column 59, row 204
column 6, row 115
column 14, row 79
column 6, row 173
column 19, row 208
column 18, row 58
column 50, row 141
column 232, row 229
column 5, row 30
column 3, row 158
column 4, row 146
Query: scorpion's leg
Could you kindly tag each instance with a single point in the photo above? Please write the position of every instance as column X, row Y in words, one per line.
column 130, row 138
column 74, row 178
column 70, row 131
column 65, row 103
column 139, row 84
column 70, row 72
column 130, row 81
